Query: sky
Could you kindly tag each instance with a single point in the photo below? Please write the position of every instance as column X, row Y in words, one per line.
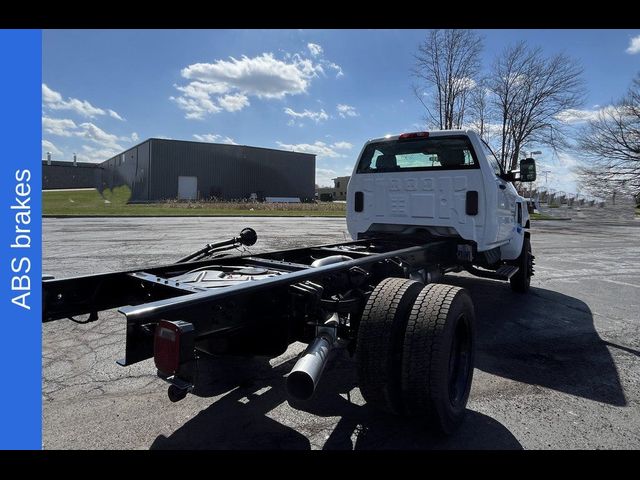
column 318, row 91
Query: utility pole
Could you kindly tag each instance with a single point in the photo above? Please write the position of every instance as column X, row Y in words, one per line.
column 546, row 178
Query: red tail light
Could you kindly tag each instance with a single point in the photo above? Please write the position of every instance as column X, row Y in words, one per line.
column 173, row 344
column 405, row 136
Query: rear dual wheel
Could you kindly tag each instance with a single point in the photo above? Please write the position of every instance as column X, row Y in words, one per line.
column 415, row 351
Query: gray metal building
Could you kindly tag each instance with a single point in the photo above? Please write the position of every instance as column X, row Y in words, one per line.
column 57, row 175
column 159, row 169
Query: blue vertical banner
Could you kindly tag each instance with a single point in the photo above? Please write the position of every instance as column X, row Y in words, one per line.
column 20, row 239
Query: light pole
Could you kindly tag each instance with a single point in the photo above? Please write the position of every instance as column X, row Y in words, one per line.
column 546, row 172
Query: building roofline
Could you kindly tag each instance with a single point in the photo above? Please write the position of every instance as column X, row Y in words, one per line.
column 223, row 144
column 69, row 163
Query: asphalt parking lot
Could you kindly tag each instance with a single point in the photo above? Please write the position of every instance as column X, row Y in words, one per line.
column 556, row 369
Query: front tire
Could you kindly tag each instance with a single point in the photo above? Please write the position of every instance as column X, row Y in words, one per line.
column 521, row 281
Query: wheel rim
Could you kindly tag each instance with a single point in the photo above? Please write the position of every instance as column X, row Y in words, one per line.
column 460, row 362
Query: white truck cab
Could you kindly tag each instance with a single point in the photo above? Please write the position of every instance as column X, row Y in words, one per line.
column 445, row 182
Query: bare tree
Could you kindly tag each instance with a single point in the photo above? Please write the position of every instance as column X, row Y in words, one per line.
column 480, row 108
column 529, row 91
column 446, row 66
column 597, row 182
column 611, row 142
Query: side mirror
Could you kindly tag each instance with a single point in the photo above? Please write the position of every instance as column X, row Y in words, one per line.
column 527, row 170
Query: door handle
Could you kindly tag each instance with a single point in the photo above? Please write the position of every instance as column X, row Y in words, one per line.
column 502, row 186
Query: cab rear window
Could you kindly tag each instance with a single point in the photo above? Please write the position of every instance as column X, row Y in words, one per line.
column 433, row 153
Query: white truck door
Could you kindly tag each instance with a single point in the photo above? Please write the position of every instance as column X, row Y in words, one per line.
column 505, row 199
column 506, row 208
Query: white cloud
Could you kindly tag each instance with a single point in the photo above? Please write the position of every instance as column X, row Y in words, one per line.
column 114, row 114
column 50, row 96
column 99, row 136
column 214, row 138
column 634, row 45
column 196, row 108
column 133, row 138
column 464, row 83
column 315, row 49
column 263, row 76
column 336, row 67
column 490, row 129
column 233, row 103
column 346, row 110
column 203, row 89
column 321, row 149
column 48, row 146
column 311, row 115
column 560, row 176
column 567, row 160
column 54, row 101
column 342, row 145
column 325, row 176
column 62, row 127
column 93, row 154
column 81, row 107
column 574, row 115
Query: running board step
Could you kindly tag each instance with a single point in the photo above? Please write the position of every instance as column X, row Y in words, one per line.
column 504, row 272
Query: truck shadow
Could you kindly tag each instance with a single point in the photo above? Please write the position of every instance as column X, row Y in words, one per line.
column 543, row 338
column 240, row 419
column 363, row 428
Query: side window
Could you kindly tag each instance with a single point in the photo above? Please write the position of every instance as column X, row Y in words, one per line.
column 374, row 158
column 493, row 161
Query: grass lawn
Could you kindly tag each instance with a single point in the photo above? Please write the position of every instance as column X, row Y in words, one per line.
column 542, row 216
column 87, row 202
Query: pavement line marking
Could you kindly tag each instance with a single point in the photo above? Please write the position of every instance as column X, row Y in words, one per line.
column 618, row 283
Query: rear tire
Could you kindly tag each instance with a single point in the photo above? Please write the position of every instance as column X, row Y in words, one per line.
column 379, row 344
column 521, row 281
column 438, row 356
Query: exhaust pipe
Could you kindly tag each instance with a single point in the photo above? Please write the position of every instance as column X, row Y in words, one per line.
column 303, row 379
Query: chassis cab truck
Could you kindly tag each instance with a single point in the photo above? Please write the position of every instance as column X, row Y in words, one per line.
column 438, row 186
column 445, row 184
column 420, row 205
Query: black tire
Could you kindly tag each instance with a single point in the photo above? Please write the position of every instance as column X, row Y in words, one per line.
column 521, row 281
column 438, row 356
column 380, row 339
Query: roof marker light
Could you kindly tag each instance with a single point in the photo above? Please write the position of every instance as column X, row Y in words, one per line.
column 406, row 136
